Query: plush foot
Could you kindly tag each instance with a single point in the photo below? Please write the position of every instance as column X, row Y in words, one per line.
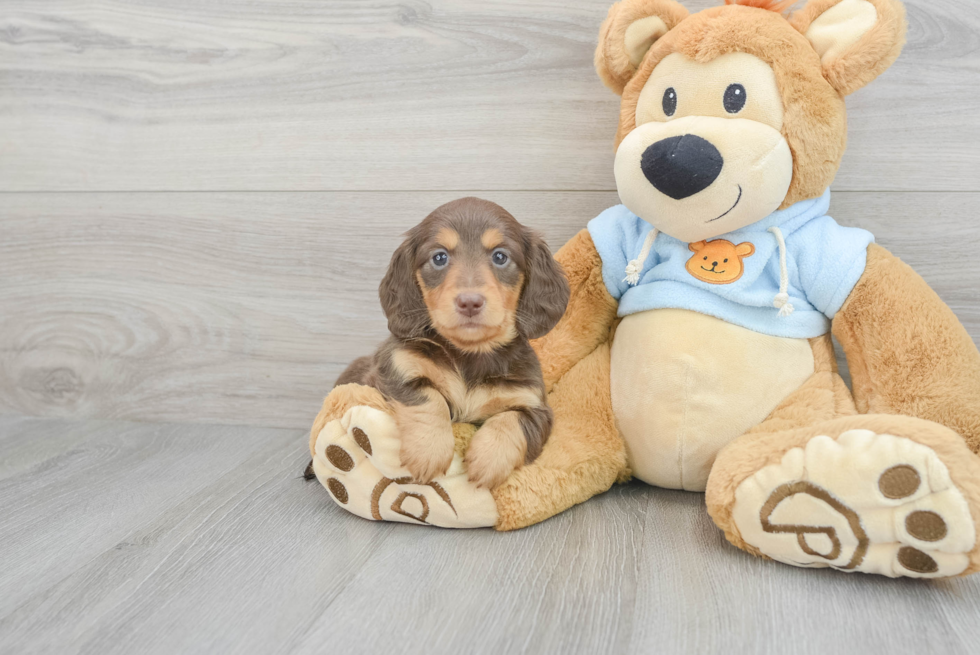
column 866, row 500
column 356, row 457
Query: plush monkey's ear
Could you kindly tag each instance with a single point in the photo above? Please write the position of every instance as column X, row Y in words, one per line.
column 629, row 30
column 697, row 246
column 857, row 40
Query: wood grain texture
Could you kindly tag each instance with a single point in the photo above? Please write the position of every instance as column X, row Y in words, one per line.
column 75, row 503
column 244, row 308
column 409, row 95
column 251, row 559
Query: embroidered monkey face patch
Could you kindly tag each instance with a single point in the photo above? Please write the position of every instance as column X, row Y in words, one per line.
column 718, row 261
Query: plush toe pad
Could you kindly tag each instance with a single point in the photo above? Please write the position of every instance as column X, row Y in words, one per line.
column 356, row 459
column 866, row 502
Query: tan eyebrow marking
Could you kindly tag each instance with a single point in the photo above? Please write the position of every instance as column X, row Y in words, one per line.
column 448, row 238
column 491, row 238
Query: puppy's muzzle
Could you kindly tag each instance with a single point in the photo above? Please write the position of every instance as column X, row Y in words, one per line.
column 681, row 166
column 470, row 304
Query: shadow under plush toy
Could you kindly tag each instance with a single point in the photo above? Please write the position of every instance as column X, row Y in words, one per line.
column 721, row 377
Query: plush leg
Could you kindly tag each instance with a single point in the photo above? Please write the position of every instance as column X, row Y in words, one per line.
column 583, row 457
column 893, row 495
column 589, row 316
column 907, row 352
column 894, row 489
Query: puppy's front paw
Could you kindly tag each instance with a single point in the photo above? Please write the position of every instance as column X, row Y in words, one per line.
column 427, row 449
column 496, row 450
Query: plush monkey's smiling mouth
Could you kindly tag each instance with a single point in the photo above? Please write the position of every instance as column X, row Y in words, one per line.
column 737, row 200
column 712, row 270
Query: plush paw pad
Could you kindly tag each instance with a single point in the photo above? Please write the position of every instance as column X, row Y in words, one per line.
column 875, row 503
column 356, row 458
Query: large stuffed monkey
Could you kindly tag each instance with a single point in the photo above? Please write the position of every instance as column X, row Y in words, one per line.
column 696, row 349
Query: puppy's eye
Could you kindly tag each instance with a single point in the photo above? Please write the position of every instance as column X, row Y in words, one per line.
column 499, row 258
column 440, row 259
column 670, row 101
column 735, row 98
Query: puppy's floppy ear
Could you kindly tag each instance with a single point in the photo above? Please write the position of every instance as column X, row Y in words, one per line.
column 401, row 297
column 545, row 293
column 857, row 40
column 630, row 29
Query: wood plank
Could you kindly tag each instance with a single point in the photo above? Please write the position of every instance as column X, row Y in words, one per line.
column 564, row 586
column 238, row 308
column 85, row 498
column 703, row 595
column 369, row 94
column 256, row 560
column 243, row 308
column 21, row 452
column 638, row 570
column 242, row 564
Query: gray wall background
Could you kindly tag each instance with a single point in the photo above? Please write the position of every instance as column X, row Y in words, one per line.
column 198, row 199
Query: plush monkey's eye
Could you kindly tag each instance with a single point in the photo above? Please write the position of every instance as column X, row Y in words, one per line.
column 725, row 262
column 499, row 258
column 735, row 98
column 440, row 259
column 670, row 101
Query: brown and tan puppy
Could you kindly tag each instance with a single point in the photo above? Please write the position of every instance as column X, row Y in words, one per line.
column 463, row 295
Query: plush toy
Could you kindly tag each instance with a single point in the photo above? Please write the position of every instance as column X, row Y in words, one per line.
column 696, row 349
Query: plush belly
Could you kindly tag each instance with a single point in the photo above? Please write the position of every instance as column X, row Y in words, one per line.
column 685, row 384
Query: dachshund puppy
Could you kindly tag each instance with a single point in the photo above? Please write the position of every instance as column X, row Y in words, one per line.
column 463, row 295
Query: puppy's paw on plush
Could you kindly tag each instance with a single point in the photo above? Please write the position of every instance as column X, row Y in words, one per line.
column 497, row 449
column 427, row 448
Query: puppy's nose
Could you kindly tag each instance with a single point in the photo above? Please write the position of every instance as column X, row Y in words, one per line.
column 470, row 304
column 681, row 166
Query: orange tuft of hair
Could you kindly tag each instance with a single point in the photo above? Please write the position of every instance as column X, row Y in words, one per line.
column 778, row 6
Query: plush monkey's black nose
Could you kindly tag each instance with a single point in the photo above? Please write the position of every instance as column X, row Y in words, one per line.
column 681, row 166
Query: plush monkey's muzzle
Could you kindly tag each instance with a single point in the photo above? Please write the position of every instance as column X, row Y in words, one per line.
column 698, row 177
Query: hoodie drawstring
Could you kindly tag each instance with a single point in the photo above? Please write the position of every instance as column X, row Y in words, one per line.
column 781, row 301
column 635, row 267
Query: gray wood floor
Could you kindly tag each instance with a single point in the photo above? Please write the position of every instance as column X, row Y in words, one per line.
column 170, row 538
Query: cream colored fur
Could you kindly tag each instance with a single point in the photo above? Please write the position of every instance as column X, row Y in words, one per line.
column 678, row 402
column 850, row 64
column 840, row 27
column 640, row 35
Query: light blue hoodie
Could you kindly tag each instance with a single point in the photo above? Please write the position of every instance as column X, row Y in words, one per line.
column 823, row 263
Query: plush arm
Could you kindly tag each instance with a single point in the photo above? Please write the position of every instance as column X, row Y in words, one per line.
column 589, row 316
column 906, row 350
